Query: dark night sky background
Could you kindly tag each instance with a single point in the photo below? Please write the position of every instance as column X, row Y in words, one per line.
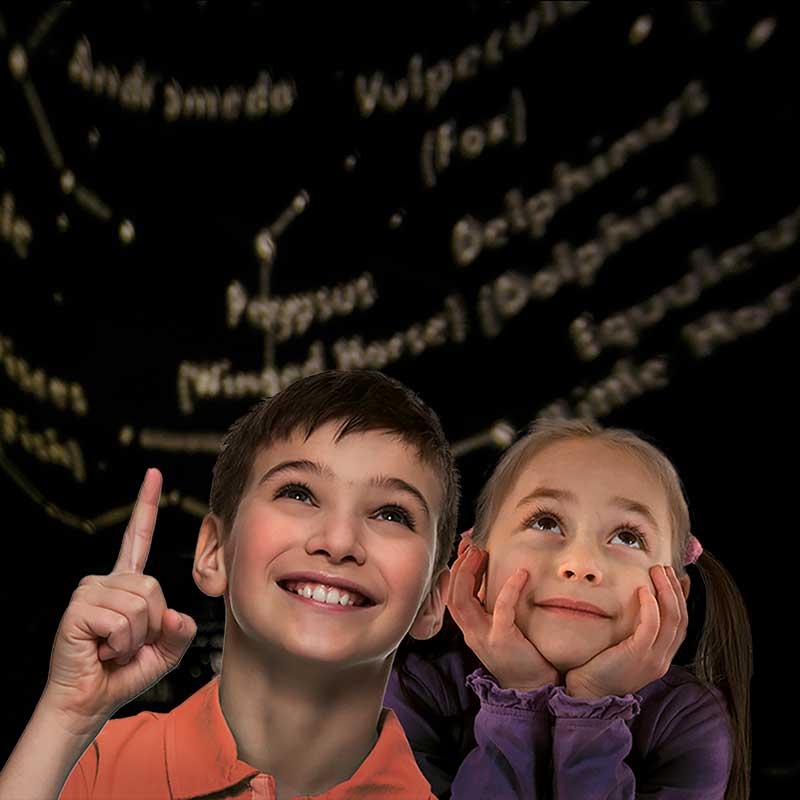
column 158, row 167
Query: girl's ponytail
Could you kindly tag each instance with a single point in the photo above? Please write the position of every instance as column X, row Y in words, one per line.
column 724, row 658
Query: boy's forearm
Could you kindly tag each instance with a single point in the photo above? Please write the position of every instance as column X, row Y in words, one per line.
column 43, row 758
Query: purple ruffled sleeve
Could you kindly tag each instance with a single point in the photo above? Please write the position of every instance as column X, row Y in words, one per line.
column 591, row 739
column 685, row 737
column 512, row 732
column 612, row 707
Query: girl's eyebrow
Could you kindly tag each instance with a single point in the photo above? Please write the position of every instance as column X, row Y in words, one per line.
column 635, row 506
column 625, row 503
column 553, row 494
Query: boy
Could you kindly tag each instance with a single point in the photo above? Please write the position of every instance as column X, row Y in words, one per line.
column 332, row 514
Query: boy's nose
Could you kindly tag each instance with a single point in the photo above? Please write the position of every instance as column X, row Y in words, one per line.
column 339, row 540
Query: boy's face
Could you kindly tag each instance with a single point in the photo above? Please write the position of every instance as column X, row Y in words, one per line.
column 352, row 524
column 586, row 521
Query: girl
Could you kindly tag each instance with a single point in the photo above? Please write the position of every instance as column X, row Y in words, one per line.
column 570, row 596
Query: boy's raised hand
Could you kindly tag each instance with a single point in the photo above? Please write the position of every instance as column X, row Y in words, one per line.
column 117, row 636
column 495, row 638
column 647, row 653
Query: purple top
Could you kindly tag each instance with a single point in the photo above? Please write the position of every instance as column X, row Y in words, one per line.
column 473, row 739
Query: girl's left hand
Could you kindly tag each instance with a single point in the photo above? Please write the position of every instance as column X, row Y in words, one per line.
column 647, row 653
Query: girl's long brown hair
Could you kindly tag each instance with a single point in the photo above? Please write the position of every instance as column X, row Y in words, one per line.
column 724, row 658
column 724, row 653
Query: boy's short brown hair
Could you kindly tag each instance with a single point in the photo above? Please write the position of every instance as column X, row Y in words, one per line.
column 361, row 401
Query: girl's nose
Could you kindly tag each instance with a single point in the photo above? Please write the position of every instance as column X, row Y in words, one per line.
column 580, row 563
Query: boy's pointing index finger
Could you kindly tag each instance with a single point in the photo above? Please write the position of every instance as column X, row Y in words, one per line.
column 137, row 537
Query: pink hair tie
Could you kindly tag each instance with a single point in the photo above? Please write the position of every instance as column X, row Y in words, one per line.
column 467, row 532
column 692, row 551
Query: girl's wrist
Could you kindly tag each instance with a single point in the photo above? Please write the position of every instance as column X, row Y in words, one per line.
column 528, row 683
column 576, row 688
column 521, row 686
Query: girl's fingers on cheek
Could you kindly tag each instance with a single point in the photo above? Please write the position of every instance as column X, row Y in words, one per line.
column 515, row 584
column 682, row 620
column 505, row 604
column 467, row 612
column 452, row 585
column 463, row 580
column 665, row 594
column 658, row 577
column 463, row 603
column 672, row 577
column 669, row 597
column 649, row 617
column 456, row 576
column 678, row 589
column 472, row 563
column 480, row 569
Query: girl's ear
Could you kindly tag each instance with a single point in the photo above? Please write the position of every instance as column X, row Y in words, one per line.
column 428, row 621
column 685, row 582
column 209, row 557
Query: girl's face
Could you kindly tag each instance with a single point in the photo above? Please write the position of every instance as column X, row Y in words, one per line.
column 587, row 521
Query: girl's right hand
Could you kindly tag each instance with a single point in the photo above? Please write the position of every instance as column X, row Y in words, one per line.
column 117, row 636
column 495, row 638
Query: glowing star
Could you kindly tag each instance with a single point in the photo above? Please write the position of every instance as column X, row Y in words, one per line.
column 127, row 232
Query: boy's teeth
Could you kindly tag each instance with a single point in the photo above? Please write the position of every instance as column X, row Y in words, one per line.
column 322, row 594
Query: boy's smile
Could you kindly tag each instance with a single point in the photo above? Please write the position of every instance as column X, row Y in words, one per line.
column 329, row 558
column 330, row 590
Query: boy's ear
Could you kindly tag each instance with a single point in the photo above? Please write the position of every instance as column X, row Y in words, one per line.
column 209, row 557
column 685, row 581
column 431, row 613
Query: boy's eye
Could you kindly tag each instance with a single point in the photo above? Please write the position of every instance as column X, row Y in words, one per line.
column 396, row 514
column 295, row 491
column 630, row 539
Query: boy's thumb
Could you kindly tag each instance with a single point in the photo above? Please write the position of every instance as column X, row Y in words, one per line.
column 177, row 632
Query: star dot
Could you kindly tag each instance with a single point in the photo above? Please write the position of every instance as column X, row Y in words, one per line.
column 18, row 61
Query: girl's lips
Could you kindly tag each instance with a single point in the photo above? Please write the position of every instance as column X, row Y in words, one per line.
column 569, row 606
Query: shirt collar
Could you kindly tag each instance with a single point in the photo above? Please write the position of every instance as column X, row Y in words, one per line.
column 389, row 772
column 202, row 758
column 200, row 748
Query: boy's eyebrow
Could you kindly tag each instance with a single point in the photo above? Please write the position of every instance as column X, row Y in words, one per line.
column 398, row 484
column 302, row 464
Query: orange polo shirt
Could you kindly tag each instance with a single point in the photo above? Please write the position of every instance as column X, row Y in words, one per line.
column 190, row 753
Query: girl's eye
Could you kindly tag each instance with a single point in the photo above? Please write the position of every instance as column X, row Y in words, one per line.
column 295, row 491
column 396, row 514
column 542, row 521
column 630, row 538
